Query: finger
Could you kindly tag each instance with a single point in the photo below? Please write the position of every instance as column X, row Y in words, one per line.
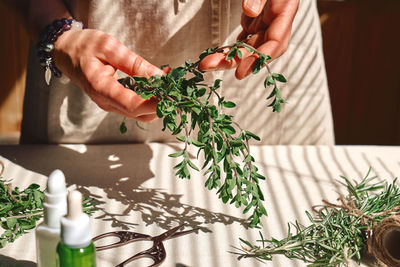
column 253, row 8
column 245, row 22
column 242, row 35
column 102, row 84
column 147, row 118
column 141, row 118
column 108, row 108
column 272, row 48
column 256, row 39
column 146, row 107
column 245, row 67
column 104, row 104
column 276, row 8
column 277, row 37
column 276, row 41
column 257, row 25
column 217, row 61
column 118, row 55
column 166, row 69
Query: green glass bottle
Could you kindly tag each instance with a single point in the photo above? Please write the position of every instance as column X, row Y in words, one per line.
column 76, row 248
column 77, row 257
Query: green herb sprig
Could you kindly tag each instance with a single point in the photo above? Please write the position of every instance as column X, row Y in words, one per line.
column 338, row 232
column 184, row 104
column 20, row 210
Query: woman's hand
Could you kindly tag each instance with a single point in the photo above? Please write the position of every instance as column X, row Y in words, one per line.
column 268, row 24
column 90, row 59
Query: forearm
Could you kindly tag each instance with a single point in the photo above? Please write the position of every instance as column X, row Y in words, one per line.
column 36, row 14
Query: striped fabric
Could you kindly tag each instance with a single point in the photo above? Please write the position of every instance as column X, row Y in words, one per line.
column 139, row 192
column 306, row 119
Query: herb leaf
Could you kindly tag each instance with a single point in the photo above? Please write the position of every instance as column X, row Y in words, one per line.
column 20, row 210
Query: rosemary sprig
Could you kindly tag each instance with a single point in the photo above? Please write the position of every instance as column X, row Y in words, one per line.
column 336, row 233
column 184, row 104
column 20, row 210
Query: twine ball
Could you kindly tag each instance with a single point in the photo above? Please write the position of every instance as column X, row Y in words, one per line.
column 384, row 242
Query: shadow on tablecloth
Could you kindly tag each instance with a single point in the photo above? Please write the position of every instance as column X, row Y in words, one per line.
column 11, row 262
column 119, row 172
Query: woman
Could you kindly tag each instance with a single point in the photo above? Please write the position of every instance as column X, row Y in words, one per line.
column 90, row 107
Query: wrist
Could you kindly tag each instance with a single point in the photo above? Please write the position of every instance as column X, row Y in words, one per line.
column 45, row 46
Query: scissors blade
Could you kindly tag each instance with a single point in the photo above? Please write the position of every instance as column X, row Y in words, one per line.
column 181, row 233
column 167, row 234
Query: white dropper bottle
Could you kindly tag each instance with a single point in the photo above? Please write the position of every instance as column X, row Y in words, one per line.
column 48, row 232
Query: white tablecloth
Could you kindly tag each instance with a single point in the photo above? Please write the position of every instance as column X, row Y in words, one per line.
column 139, row 192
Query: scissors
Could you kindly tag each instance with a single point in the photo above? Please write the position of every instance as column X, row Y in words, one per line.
column 157, row 252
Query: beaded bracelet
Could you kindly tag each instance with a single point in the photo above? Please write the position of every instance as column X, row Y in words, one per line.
column 46, row 44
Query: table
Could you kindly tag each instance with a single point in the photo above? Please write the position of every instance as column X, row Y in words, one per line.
column 139, row 192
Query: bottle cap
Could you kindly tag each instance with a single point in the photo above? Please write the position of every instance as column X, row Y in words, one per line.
column 55, row 199
column 75, row 226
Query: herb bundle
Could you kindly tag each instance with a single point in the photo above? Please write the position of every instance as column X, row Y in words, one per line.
column 21, row 209
column 338, row 232
column 184, row 104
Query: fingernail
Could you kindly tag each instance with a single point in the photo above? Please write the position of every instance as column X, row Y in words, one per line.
column 253, row 6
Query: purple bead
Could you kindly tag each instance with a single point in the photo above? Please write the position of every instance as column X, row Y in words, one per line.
column 57, row 24
column 59, row 32
column 41, row 53
column 49, row 29
column 53, row 38
column 43, row 62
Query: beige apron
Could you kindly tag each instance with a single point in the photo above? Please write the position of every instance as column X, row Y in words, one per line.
column 170, row 32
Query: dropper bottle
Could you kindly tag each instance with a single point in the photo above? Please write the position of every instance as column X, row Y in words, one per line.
column 76, row 247
column 48, row 232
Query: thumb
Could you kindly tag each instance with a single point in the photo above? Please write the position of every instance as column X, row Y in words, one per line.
column 253, row 8
column 127, row 61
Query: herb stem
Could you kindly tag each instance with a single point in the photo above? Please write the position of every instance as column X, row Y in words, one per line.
column 226, row 140
column 9, row 191
column 211, row 127
column 34, row 213
column 184, row 126
column 2, row 167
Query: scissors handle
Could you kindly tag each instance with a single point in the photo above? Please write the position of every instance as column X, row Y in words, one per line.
column 156, row 253
column 125, row 237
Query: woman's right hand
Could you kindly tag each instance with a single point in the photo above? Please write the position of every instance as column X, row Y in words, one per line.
column 90, row 59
